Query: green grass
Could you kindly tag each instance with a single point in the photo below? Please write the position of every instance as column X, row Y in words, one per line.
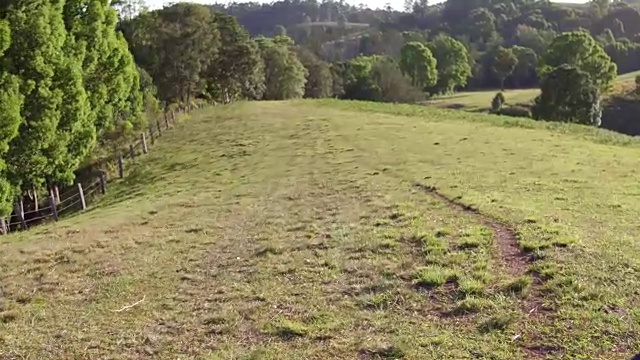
column 294, row 230
column 480, row 101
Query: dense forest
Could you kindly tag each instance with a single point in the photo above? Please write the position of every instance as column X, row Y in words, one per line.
column 80, row 77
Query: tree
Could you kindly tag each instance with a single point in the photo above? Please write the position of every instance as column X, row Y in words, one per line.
column 240, row 61
column 11, row 101
column 504, row 63
column 176, row 45
column 110, row 74
column 35, row 55
column 452, row 63
column 393, row 84
column 580, row 50
column 128, row 9
column 319, row 79
column 285, row 76
column 569, row 95
column 358, row 83
column 482, row 24
column 600, row 7
column 524, row 73
column 535, row 39
column 417, row 62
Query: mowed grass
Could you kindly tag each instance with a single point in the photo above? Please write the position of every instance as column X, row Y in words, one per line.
column 294, row 230
column 480, row 101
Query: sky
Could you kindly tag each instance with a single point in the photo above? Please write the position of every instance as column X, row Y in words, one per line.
column 396, row 4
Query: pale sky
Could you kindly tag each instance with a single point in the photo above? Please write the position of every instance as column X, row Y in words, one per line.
column 397, row 4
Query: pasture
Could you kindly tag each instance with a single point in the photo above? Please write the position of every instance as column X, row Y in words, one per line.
column 480, row 101
column 342, row 230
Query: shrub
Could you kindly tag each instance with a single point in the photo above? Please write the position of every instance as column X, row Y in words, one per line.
column 516, row 111
column 497, row 102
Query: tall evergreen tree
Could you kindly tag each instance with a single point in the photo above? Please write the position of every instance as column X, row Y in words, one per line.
column 35, row 55
column 10, row 118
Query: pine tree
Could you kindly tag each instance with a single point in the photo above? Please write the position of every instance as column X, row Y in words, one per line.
column 10, row 118
column 35, row 55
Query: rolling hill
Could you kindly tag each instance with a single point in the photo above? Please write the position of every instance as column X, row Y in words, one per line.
column 342, row 230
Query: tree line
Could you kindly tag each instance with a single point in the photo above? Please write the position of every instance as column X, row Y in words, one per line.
column 81, row 76
column 67, row 84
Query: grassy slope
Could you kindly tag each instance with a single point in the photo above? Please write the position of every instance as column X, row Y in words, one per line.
column 294, row 230
column 481, row 100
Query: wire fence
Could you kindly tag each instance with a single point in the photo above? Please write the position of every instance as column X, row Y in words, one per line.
column 76, row 198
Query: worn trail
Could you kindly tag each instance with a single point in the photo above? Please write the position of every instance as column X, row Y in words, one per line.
column 511, row 256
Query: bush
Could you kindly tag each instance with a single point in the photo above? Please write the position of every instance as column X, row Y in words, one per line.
column 497, row 102
column 516, row 111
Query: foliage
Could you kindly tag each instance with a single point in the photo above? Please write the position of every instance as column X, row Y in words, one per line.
column 238, row 62
column 285, row 76
column 393, row 84
column 452, row 63
column 568, row 95
column 358, row 84
column 580, row 50
column 176, row 46
column 505, row 63
column 319, row 78
column 417, row 62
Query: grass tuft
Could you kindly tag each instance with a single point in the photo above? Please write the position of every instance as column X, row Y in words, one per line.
column 518, row 286
column 470, row 305
column 498, row 322
column 434, row 276
column 470, row 286
column 287, row 329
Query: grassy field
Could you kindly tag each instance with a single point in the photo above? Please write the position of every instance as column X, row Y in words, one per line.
column 342, row 230
column 480, row 101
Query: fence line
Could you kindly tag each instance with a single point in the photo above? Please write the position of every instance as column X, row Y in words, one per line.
column 81, row 193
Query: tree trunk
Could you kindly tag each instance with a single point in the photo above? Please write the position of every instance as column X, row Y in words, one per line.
column 35, row 200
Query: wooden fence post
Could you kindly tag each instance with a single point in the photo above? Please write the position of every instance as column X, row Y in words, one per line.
column 166, row 121
column 159, row 127
column 103, row 183
column 3, row 226
column 52, row 204
column 153, row 140
column 143, row 140
column 132, row 154
column 173, row 117
column 20, row 213
column 84, row 204
column 120, row 167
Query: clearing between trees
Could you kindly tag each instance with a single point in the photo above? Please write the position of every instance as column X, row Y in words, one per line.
column 342, row 230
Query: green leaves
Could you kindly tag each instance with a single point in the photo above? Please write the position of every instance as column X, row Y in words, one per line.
column 580, row 50
column 452, row 63
column 285, row 76
column 504, row 64
column 65, row 75
column 417, row 62
column 569, row 95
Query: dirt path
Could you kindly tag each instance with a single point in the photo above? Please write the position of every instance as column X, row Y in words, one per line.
column 512, row 258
